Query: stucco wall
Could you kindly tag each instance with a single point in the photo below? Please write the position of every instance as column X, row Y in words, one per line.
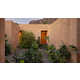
column 35, row 28
column 63, row 30
column 2, row 40
column 12, row 30
column 8, row 30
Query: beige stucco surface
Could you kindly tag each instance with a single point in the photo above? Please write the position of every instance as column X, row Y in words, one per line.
column 63, row 31
column 35, row 28
column 11, row 30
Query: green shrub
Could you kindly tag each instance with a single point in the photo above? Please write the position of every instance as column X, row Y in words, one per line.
column 60, row 55
column 35, row 45
column 51, row 47
column 26, row 39
column 56, row 57
column 65, row 52
column 33, row 56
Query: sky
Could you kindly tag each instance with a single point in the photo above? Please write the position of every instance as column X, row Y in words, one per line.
column 22, row 20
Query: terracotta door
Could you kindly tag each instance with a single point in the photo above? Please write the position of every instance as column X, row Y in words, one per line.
column 43, row 37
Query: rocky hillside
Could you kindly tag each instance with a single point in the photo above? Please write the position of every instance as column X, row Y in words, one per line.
column 43, row 21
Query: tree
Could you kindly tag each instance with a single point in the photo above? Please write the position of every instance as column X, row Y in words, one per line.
column 26, row 39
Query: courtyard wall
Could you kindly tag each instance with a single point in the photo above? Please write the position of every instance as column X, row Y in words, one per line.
column 63, row 31
column 35, row 28
column 11, row 30
column 2, row 40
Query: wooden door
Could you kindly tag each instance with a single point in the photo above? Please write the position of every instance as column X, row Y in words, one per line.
column 43, row 37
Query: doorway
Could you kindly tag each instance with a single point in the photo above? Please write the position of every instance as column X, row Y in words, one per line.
column 43, row 37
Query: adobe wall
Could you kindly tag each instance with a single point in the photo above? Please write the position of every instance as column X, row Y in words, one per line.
column 35, row 28
column 63, row 30
column 12, row 29
column 2, row 40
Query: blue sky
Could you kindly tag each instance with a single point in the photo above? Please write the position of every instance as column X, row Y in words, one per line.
column 22, row 20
